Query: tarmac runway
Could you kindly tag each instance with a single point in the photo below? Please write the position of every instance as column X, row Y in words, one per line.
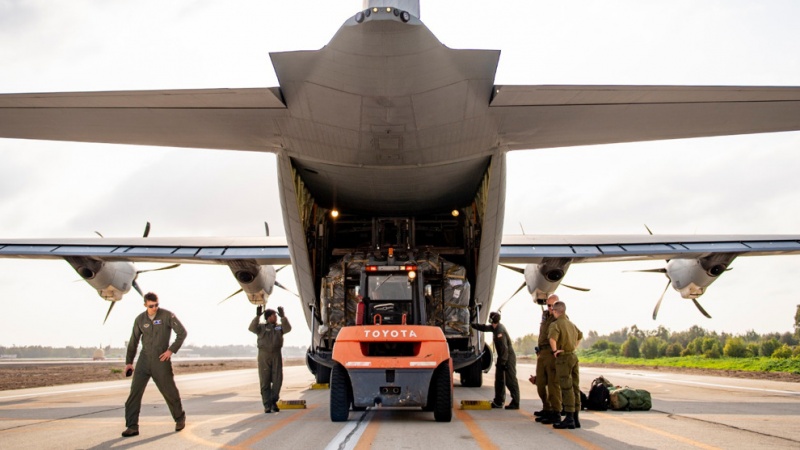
column 224, row 411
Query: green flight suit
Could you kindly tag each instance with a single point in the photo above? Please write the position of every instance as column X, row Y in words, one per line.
column 567, row 335
column 154, row 334
column 505, row 373
column 546, row 381
column 270, row 360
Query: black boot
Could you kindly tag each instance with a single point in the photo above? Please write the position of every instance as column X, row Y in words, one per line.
column 575, row 419
column 567, row 423
column 552, row 417
column 540, row 413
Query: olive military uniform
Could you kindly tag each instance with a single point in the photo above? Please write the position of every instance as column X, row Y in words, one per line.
column 546, row 380
column 506, row 368
column 567, row 335
column 154, row 334
column 270, row 360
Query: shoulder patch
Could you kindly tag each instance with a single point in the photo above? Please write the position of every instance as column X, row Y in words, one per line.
column 499, row 335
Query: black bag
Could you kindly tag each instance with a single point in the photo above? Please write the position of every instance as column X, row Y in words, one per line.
column 599, row 398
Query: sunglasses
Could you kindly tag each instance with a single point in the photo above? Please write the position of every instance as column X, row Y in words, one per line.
column 152, row 306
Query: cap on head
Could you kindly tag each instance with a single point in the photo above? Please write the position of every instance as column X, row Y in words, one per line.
column 494, row 317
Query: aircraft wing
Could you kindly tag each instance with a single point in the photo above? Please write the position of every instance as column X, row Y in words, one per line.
column 204, row 250
column 533, row 249
column 236, row 119
column 531, row 117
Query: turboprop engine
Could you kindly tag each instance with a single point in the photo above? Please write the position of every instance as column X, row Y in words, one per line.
column 257, row 281
column 112, row 279
column 543, row 279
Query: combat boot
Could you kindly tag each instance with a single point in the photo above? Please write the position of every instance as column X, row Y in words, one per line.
column 567, row 423
column 553, row 417
column 540, row 413
column 275, row 407
column 130, row 431
column 575, row 419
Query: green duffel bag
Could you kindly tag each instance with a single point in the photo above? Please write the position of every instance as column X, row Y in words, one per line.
column 629, row 399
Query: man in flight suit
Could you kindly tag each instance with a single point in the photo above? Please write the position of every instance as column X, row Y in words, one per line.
column 153, row 327
column 564, row 339
column 506, row 368
column 546, row 380
column 270, row 360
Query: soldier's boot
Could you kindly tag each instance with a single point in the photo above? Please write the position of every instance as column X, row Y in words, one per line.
column 180, row 424
column 130, row 431
column 539, row 413
column 496, row 405
column 275, row 407
column 575, row 419
column 553, row 417
column 567, row 423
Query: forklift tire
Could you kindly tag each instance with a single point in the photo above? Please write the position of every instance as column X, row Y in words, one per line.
column 443, row 386
column 340, row 394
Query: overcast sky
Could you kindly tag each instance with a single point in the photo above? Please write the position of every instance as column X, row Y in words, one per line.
column 745, row 184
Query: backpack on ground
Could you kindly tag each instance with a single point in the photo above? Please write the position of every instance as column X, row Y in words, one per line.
column 599, row 398
column 628, row 399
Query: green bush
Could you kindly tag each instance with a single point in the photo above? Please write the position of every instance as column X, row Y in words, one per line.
column 674, row 350
column 715, row 352
column 650, row 347
column 783, row 351
column 600, row 345
column 752, row 350
column 796, row 352
column 735, row 348
column 613, row 348
column 769, row 347
column 630, row 348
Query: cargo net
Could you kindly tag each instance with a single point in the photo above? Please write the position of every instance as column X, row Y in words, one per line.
column 337, row 309
column 448, row 304
column 447, row 307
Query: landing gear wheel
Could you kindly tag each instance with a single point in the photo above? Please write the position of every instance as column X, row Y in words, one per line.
column 323, row 375
column 472, row 376
column 442, row 384
column 340, row 394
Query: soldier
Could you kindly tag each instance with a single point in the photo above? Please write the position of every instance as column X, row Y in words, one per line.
column 153, row 327
column 270, row 360
column 546, row 381
column 506, row 368
column 564, row 339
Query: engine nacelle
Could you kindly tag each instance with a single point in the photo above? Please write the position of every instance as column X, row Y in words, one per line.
column 543, row 279
column 112, row 279
column 691, row 277
column 255, row 280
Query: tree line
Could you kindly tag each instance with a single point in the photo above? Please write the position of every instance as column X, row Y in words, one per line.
column 634, row 342
column 216, row 351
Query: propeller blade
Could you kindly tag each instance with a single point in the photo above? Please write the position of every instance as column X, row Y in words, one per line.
column 520, row 227
column 661, row 270
column 285, row 289
column 266, row 227
column 280, row 268
column 156, row 270
column 515, row 269
column 658, row 305
column 512, row 296
column 109, row 311
column 648, row 229
column 146, row 230
column 138, row 289
column 226, row 298
column 577, row 288
column 696, row 303
column 98, row 233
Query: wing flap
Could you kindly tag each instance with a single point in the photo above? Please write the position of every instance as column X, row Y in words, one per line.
column 266, row 250
column 532, row 249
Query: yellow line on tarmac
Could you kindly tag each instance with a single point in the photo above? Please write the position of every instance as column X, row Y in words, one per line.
column 566, row 434
column 370, row 432
column 275, row 427
column 481, row 438
column 661, row 432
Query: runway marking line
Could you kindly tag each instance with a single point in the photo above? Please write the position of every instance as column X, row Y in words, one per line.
column 481, row 438
column 685, row 440
column 369, row 434
column 566, row 434
column 252, row 439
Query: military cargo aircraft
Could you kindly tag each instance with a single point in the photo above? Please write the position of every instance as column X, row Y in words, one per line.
column 387, row 141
